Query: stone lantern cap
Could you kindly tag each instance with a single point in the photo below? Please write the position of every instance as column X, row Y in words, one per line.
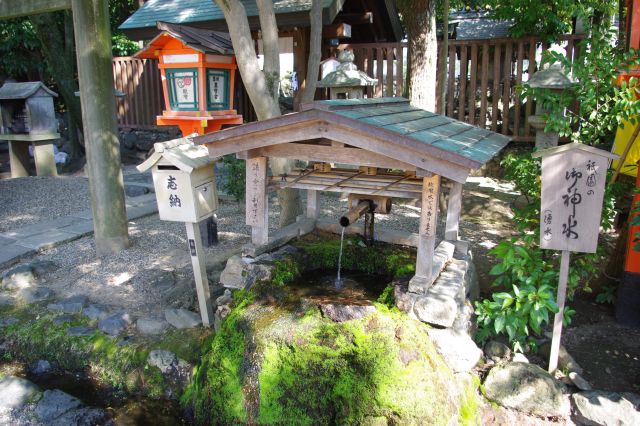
column 552, row 77
column 347, row 74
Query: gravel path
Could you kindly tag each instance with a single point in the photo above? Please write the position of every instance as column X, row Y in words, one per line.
column 34, row 199
column 136, row 279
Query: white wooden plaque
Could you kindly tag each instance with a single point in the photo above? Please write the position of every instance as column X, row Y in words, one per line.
column 572, row 193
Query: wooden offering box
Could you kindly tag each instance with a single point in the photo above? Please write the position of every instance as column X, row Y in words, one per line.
column 198, row 76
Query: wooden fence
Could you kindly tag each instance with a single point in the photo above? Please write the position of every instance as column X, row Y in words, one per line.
column 139, row 79
column 480, row 89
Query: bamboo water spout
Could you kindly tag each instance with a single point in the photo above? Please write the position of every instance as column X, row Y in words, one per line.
column 354, row 213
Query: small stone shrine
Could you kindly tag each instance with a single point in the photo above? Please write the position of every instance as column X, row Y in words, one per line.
column 398, row 151
column 27, row 117
column 346, row 82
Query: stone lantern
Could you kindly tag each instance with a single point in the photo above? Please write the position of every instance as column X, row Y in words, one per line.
column 346, row 82
column 554, row 79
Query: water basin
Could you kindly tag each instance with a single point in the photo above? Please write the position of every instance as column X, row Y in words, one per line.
column 355, row 288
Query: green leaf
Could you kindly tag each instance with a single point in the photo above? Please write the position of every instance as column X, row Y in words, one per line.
column 499, row 324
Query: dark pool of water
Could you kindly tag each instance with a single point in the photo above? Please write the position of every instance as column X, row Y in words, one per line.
column 124, row 411
column 354, row 288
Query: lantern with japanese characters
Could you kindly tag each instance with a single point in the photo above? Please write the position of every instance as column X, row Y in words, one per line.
column 198, row 70
column 184, row 181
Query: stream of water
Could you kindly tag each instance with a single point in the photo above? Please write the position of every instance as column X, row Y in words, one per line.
column 338, row 283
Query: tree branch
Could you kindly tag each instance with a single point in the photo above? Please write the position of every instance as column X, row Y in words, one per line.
column 254, row 80
column 270, row 46
column 315, row 46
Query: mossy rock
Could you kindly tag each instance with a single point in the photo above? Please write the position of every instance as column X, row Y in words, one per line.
column 271, row 365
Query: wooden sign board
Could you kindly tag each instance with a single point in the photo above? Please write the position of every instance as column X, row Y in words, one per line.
column 573, row 181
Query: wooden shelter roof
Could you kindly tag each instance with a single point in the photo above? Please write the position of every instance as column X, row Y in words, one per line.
column 390, row 127
column 182, row 153
column 205, row 41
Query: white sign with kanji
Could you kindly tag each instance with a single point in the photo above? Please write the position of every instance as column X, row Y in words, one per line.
column 573, row 182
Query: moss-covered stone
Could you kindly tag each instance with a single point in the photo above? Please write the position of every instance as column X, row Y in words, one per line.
column 268, row 366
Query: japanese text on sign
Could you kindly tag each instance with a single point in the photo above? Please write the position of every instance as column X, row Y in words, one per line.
column 429, row 206
column 572, row 194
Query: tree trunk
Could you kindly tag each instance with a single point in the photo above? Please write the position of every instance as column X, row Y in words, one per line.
column 442, row 72
column 262, row 87
column 420, row 22
column 93, row 44
column 315, row 52
column 59, row 55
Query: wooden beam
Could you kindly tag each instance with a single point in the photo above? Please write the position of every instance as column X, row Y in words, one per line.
column 313, row 204
column 331, row 154
column 257, row 204
column 423, row 279
column 93, row 50
column 198, row 255
column 453, row 212
column 16, row 8
column 385, row 235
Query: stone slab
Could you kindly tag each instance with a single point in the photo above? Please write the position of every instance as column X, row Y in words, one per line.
column 138, row 211
column 85, row 214
column 13, row 252
column 80, row 227
column 47, row 239
column 16, row 392
column 5, row 241
column 39, row 228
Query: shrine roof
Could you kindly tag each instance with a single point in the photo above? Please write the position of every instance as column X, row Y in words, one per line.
column 24, row 90
column 205, row 41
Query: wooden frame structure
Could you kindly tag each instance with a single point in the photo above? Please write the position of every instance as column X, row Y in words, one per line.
column 399, row 150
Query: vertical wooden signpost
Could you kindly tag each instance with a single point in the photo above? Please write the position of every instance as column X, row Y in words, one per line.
column 573, row 178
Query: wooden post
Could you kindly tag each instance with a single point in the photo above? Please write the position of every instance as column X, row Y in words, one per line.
column 194, row 239
column 93, row 46
column 313, row 204
column 423, row 279
column 454, row 207
column 19, row 158
column 557, row 321
column 44, row 158
column 257, row 205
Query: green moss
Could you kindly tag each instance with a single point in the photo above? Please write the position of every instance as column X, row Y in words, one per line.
column 215, row 392
column 468, row 414
column 384, row 259
column 315, row 371
column 286, row 271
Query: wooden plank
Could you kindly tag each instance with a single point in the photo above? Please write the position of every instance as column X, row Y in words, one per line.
column 451, row 80
column 194, row 239
column 10, row 9
column 472, row 87
column 280, row 237
column 389, row 77
column 326, row 154
column 559, row 316
column 313, row 204
column 484, row 80
column 427, row 235
column 506, row 95
column 379, row 72
column 385, row 235
column 399, row 71
column 454, row 207
column 496, row 87
column 517, row 101
column 532, row 68
column 351, row 190
column 257, row 204
column 462, row 83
